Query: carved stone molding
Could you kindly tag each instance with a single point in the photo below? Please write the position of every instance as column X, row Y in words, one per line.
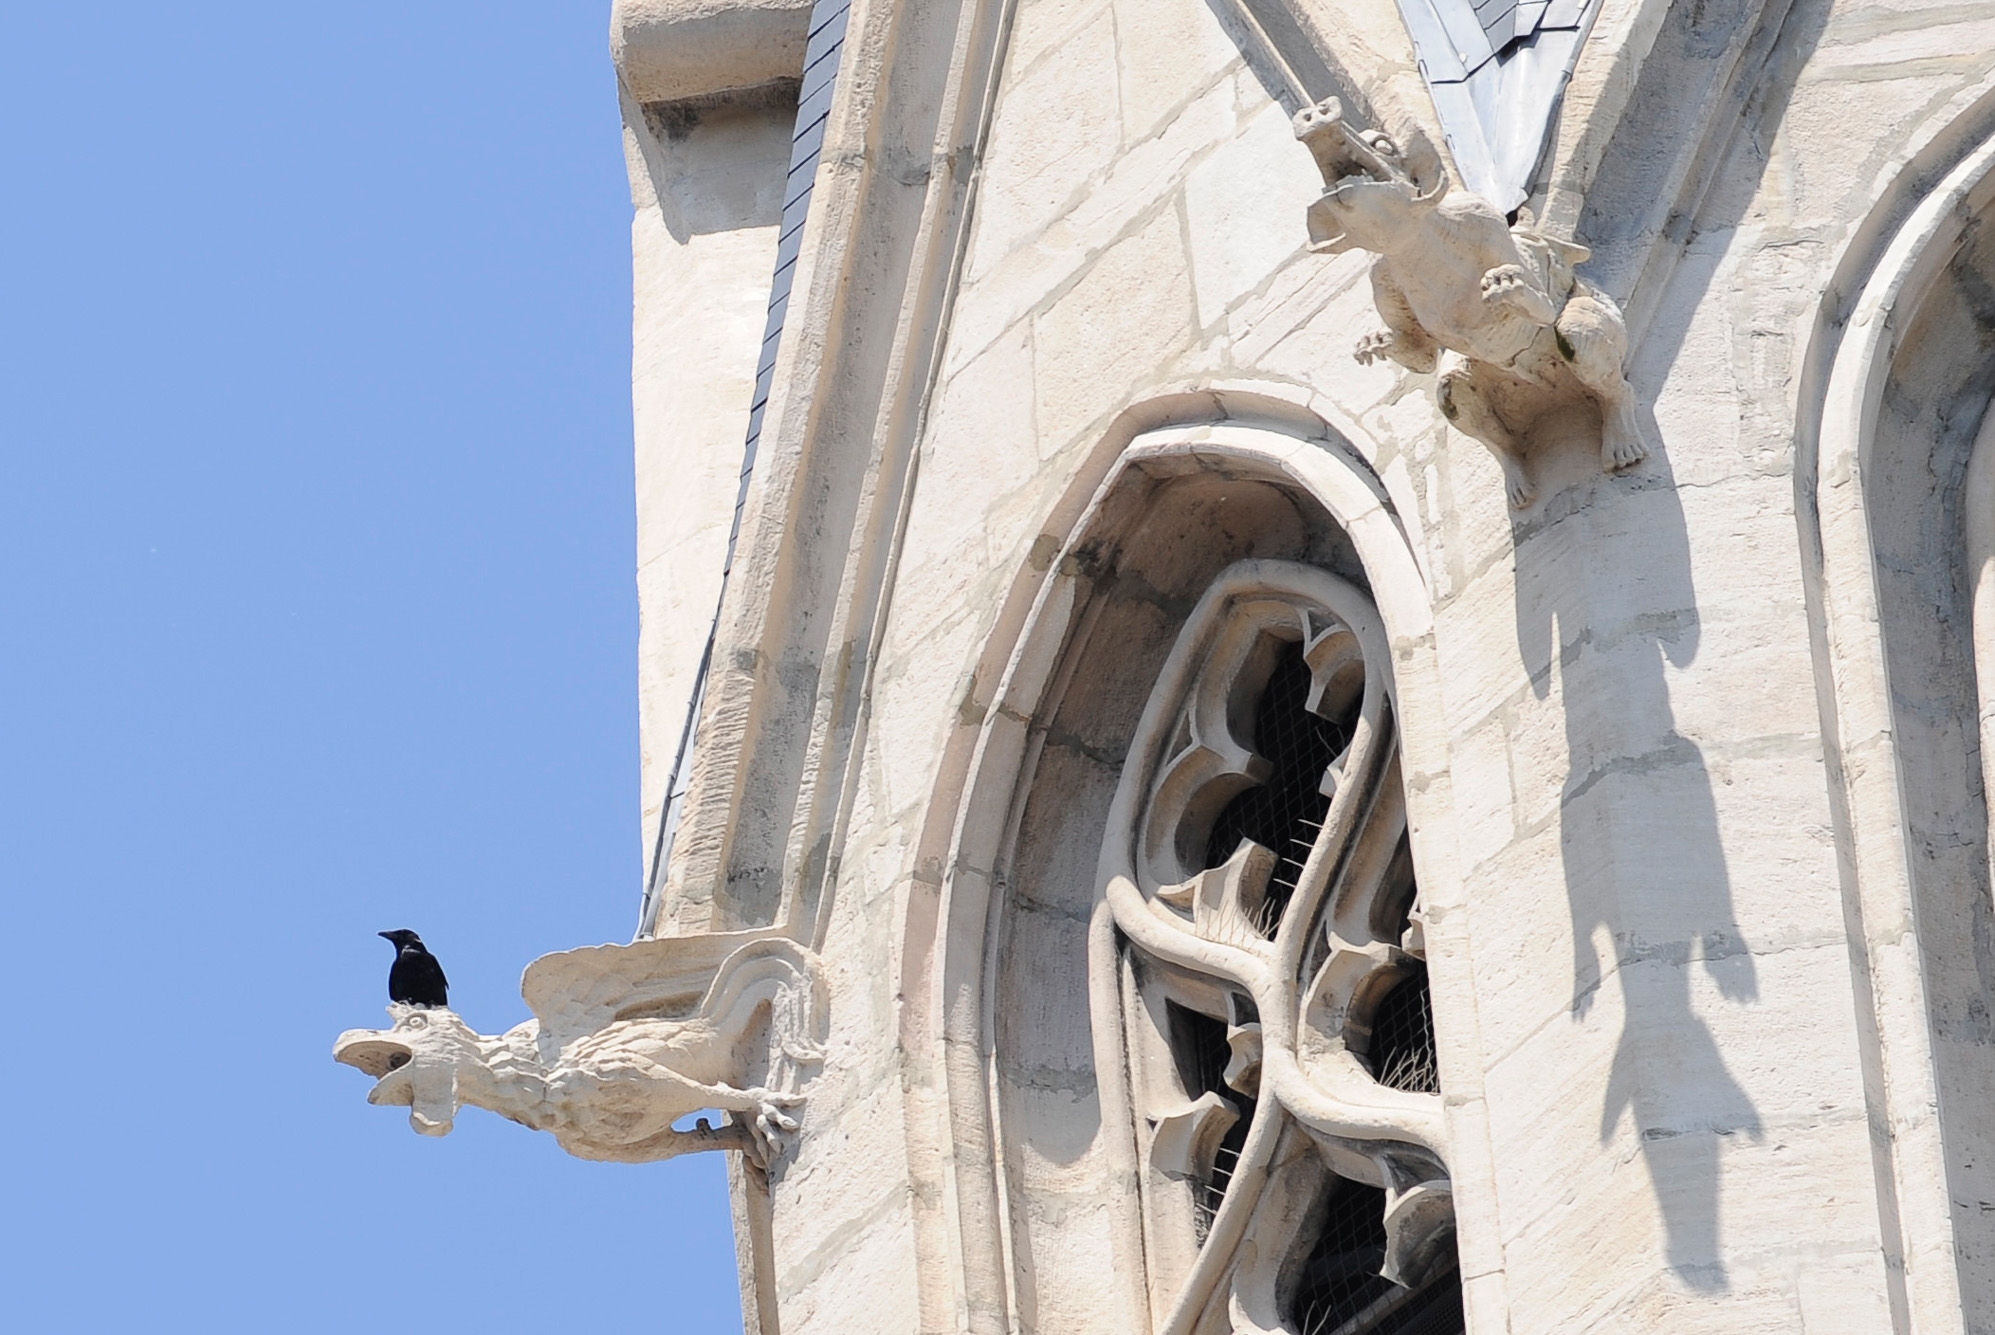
column 625, row 1041
column 676, row 50
column 1494, row 307
column 1256, row 977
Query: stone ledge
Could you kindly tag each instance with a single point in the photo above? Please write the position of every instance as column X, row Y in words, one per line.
column 671, row 50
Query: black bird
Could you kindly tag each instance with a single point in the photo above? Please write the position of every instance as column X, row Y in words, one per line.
column 415, row 979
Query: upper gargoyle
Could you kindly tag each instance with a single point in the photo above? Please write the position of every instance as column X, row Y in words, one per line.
column 1520, row 329
column 626, row 1040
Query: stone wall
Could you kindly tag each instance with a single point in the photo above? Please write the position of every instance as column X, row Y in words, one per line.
column 1657, row 1011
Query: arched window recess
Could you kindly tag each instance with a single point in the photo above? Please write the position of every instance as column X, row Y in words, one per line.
column 1269, row 965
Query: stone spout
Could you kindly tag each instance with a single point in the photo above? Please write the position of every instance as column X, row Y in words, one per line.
column 625, row 1044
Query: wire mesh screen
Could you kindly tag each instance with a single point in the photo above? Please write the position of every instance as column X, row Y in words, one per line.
column 1198, row 1043
column 1285, row 813
column 1402, row 1046
column 1341, row 1291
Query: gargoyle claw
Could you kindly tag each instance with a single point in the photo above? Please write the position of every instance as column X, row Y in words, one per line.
column 1517, row 487
column 1501, row 282
column 770, row 1125
column 1621, row 449
column 1378, row 343
column 769, row 1107
column 1509, row 285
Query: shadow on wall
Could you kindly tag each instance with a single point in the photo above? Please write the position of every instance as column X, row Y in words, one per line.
column 1605, row 600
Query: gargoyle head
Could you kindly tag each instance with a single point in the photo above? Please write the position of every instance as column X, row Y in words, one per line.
column 416, row 1064
column 1372, row 182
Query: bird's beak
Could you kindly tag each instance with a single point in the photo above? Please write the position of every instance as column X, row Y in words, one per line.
column 386, row 936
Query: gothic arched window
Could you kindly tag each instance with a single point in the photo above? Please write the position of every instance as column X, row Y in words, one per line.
column 1275, row 1024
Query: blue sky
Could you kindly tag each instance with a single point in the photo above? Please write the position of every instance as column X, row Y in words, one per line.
column 318, row 616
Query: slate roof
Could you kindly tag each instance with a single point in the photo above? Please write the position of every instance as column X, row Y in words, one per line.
column 1497, row 70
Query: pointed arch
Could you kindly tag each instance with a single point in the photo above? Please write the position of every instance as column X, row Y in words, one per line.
column 997, row 952
column 1892, row 399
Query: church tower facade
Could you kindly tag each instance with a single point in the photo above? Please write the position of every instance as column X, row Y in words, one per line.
column 1313, row 666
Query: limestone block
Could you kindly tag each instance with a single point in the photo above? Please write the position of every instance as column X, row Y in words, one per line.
column 673, row 50
column 1740, row 539
column 1844, row 1295
column 1006, row 280
column 1475, row 638
column 1866, row 41
column 1643, row 857
column 1167, row 51
column 1779, row 846
column 1483, row 798
column 1520, row 929
column 1541, row 753
column 919, row 697
column 1839, row 90
column 982, row 439
column 1473, row 535
column 855, row 1277
column 1668, row 1301
column 1697, row 404
column 1235, row 205
column 1794, row 1071
column 1746, row 670
column 1113, row 330
column 1299, row 328
column 944, row 564
column 1060, row 1287
column 1560, row 1174
column 1040, row 26
column 1036, row 165
column 1612, row 706
column 1693, row 1224
column 1816, row 1174
column 981, row 444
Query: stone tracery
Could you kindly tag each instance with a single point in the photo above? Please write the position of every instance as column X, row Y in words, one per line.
column 1256, row 868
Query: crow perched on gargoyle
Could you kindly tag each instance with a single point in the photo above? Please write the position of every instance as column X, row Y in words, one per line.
column 415, row 979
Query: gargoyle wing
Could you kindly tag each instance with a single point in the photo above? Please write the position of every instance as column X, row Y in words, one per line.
column 579, row 991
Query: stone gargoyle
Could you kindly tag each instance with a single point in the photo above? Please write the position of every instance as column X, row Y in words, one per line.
column 1521, row 331
column 625, row 1042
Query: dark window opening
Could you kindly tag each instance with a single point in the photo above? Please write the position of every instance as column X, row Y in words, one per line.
column 1340, row 1289
column 1198, row 1042
column 1392, row 911
column 1284, row 814
column 1402, row 1045
column 1341, row 1292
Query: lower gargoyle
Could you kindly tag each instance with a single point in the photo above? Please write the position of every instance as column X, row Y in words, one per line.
column 626, row 1041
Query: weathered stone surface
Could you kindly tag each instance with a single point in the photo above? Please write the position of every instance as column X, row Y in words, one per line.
column 1691, row 752
column 673, row 50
